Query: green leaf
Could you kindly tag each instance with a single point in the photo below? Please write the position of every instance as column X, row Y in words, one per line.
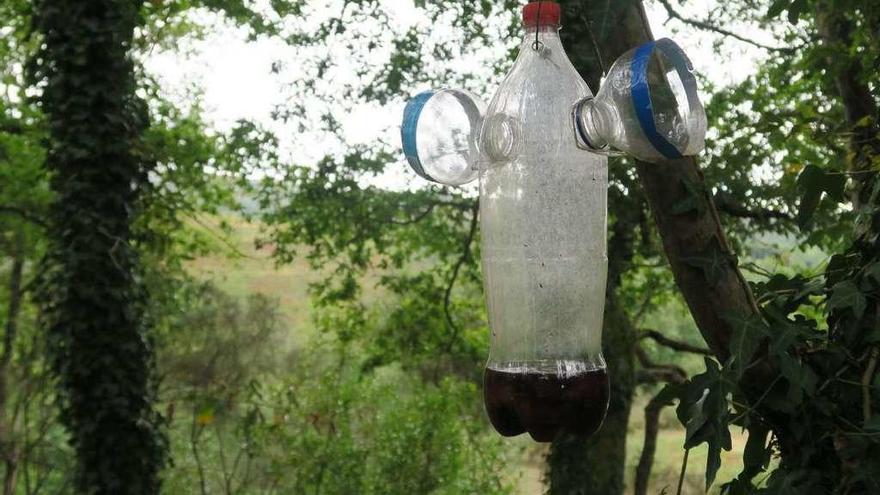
column 695, row 199
column 746, row 337
column 713, row 261
column 873, row 271
column 756, row 455
column 846, row 295
column 801, row 378
column 865, row 121
column 777, row 7
column 669, row 393
column 795, row 10
column 713, row 464
column 813, row 182
column 704, row 412
column 782, row 332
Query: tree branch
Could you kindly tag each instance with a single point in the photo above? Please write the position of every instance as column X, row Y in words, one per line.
column 708, row 26
column 11, row 127
column 649, row 447
column 726, row 204
column 674, row 344
column 675, row 373
column 195, row 431
column 867, row 377
column 416, row 219
column 465, row 254
column 654, row 376
column 24, row 214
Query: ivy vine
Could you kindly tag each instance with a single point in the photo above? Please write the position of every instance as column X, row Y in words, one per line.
column 92, row 298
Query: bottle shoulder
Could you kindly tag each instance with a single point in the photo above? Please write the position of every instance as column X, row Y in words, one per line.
column 531, row 112
column 545, row 75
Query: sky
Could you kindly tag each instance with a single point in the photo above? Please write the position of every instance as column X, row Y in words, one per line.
column 237, row 82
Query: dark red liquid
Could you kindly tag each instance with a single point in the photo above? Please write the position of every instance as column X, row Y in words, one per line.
column 544, row 404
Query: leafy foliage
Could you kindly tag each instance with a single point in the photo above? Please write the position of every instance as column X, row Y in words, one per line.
column 385, row 433
column 246, row 416
column 814, row 181
column 786, row 158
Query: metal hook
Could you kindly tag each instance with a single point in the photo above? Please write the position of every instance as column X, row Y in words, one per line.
column 537, row 44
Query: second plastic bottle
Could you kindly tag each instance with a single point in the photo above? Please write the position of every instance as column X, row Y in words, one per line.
column 543, row 210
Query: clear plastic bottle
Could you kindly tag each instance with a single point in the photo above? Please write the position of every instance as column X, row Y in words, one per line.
column 540, row 154
column 543, row 216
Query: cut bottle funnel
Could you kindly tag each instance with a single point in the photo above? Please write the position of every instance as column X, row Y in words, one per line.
column 647, row 107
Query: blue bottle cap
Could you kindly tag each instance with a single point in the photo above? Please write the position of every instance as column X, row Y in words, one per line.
column 440, row 132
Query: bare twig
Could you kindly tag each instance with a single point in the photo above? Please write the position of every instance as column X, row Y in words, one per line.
column 684, row 465
column 654, row 376
column 708, row 26
column 727, row 205
column 674, row 344
column 221, row 450
column 725, row 247
column 24, row 214
column 754, row 405
column 226, row 242
column 465, row 255
column 595, row 44
column 866, row 384
column 195, row 430
column 418, row 218
column 673, row 369
column 235, row 464
column 645, row 305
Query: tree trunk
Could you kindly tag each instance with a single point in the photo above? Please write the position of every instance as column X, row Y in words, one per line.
column 7, row 441
column 604, row 31
column 704, row 266
column 617, row 27
column 92, row 293
column 649, row 448
column 859, row 105
column 597, row 464
column 595, row 34
column 715, row 288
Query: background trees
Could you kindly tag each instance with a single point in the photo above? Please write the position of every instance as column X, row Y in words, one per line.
column 387, row 380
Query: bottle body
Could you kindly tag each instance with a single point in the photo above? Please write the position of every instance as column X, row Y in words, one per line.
column 543, row 215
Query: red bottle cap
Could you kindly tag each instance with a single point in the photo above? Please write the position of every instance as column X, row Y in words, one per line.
column 541, row 14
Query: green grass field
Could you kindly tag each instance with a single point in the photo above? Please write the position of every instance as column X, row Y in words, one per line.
column 254, row 272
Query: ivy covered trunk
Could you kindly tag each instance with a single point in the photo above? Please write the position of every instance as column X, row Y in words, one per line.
column 91, row 294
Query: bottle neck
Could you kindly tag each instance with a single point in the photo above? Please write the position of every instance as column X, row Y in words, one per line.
column 592, row 125
column 544, row 35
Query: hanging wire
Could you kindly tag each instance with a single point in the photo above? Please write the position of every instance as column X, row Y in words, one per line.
column 537, row 44
column 585, row 18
